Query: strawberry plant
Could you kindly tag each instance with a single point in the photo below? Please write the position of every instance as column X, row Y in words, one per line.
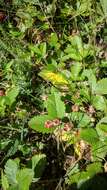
column 53, row 94
column 16, row 178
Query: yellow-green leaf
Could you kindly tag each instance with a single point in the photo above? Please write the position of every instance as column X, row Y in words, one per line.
column 55, row 78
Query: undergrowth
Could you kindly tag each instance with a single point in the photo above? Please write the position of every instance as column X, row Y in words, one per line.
column 53, row 94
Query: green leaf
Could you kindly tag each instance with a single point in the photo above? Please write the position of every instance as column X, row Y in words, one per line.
column 89, row 135
column 94, row 168
column 37, row 123
column 83, row 176
column 35, row 49
column 77, row 178
column 104, row 6
column 72, row 53
column 4, row 143
column 82, row 120
column 5, row 184
column 83, row 7
column 75, row 70
column 76, row 42
column 85, row 94
column 24, row 178
column 55, row 105
column 13, row 148
column 101, row 127
column 103, row 120
column 77, row 50
column 53, row 40
column 43, row 49
column 99, row 150
column 99, row 102
column 101, row 87
column 103, row 64
column 11, row 95
column 38, row 165
column 91, row 78
column 55, row 108
column 11, row 169
column 36, row 159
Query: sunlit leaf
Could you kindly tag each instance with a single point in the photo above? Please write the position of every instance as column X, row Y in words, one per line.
column 55, row 78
